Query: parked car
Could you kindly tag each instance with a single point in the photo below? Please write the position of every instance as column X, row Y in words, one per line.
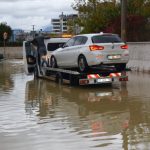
column 88, row 50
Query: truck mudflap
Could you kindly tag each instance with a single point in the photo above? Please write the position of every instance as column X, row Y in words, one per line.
column 98, row 79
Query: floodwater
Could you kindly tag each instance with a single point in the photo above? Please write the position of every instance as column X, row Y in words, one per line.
column 42, row 115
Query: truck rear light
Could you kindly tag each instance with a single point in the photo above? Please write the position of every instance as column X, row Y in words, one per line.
column 96, row 47
column 123, row 78
column 83, row 81
column 124, row 46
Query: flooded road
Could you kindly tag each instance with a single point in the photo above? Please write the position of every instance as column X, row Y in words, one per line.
column 42, row 115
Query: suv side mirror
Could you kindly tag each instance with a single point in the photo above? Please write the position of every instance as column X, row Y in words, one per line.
column 64, row 45
column 61, row 45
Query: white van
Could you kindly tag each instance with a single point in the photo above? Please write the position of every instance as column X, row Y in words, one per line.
column 54, row 43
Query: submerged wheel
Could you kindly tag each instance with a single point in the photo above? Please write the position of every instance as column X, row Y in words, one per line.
column 59, row 78
column 120, row 67
column 53, row 62
column 82, row 64
column 36, row 73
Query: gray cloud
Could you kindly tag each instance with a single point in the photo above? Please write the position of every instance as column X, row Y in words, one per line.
column 16, row 0
column 24, row 13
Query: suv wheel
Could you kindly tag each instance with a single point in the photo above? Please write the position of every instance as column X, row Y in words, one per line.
column 53, row 62
column 82, row 64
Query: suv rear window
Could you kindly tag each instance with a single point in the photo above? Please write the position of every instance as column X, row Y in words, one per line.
column 53, row 46
column 106, row 39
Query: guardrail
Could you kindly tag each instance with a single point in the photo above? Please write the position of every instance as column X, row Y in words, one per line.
column 139, row 56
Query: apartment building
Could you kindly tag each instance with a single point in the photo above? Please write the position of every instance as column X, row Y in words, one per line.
column 59, row 25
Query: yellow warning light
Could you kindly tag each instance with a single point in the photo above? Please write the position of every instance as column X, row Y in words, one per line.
column 66, row 35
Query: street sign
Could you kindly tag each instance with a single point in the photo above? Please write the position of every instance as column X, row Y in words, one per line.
column 5, row 35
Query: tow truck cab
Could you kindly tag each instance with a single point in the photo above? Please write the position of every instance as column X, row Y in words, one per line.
column 30, row 53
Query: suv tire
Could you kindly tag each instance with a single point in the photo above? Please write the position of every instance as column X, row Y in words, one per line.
column 53, row 62
column 82, row 64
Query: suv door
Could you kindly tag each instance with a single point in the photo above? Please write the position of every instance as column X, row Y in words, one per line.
column 71, row 51
column 64, row 53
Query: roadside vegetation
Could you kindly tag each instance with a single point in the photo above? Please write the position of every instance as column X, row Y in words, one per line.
column 102, row 16
column 105, row 16
column 5, row 28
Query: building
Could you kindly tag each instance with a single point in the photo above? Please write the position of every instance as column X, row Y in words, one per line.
column 17, row 35
column 55, row 25
column 60, row 25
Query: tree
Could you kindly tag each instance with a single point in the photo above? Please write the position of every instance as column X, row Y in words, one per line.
column 98, row 15
column 95, row 15
column 5, row 28
column 139, row 7
column 137, row 26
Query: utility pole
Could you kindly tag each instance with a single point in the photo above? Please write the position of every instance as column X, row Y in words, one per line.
column 33, row 31
column 33, row 27
column 123, row 19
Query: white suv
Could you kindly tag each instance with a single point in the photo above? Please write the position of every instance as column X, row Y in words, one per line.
column 88, row 50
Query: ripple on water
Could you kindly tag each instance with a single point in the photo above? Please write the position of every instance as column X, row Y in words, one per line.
column 65, row 118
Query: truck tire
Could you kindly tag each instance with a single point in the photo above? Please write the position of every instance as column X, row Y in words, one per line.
column 59, row 78
column 36, row 73
column 120, row 67
column 74, row 81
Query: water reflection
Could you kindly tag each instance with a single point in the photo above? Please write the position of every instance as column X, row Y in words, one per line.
column 44, row 115
column 92, row 112
column 103, row 114
column 6, row 81
column 97, row 100
column 137, row 135
column 9, row 69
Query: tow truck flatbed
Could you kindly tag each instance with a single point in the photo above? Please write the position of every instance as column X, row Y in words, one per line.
column 95, row 76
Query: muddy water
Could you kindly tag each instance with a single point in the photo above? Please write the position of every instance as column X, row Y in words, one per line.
column 42, row 115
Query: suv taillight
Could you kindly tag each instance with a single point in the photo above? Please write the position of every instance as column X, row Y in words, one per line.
column 124, row 46
column 96, row 47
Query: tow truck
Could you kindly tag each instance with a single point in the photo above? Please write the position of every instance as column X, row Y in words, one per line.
column 95, row 75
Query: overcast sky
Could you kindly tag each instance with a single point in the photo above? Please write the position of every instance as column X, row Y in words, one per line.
column 22, row 14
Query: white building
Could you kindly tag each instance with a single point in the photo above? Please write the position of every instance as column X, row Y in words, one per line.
column 59, row 25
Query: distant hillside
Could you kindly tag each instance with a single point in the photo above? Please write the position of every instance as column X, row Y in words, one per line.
column 47, row 28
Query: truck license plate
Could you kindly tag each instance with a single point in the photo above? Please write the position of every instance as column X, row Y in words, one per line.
column 104, row 80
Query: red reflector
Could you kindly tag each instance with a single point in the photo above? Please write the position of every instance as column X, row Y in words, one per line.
column 96, row 47
column 83, row 82
column 123, row 79
column 115, row 75
column 93, row 76
column 124, row 46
